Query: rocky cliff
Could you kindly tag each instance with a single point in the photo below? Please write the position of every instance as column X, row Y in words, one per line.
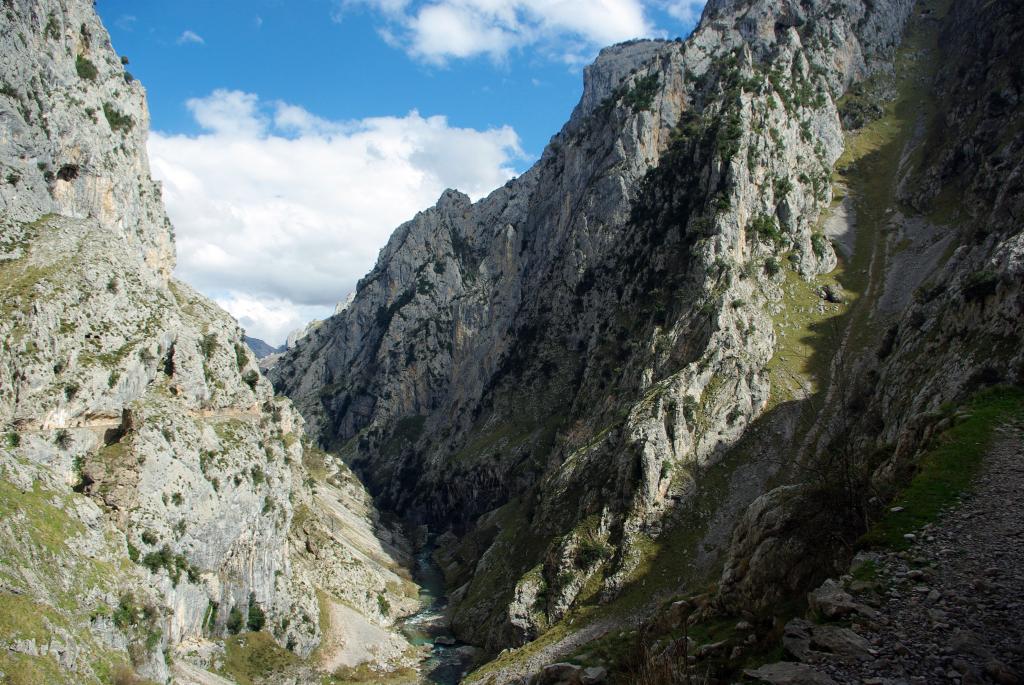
column 155, row 494
column 584, row 379
column 580, row 346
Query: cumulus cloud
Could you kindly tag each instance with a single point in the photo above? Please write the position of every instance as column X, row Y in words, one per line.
column 190, row 36
column 686, row 11
column 439, row 30
column 279, row 212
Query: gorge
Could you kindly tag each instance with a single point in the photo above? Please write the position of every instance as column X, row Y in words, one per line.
column 727, row 387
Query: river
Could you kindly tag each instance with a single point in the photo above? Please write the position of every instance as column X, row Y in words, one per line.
column 447, row 663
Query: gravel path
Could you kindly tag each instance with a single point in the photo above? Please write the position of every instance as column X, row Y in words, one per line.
column 951, row 608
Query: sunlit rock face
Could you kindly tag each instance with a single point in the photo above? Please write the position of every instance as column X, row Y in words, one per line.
column 547, row 373
column 153, row 488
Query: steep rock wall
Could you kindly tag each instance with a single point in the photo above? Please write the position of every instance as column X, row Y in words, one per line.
column 150, row 479
column 577, row 346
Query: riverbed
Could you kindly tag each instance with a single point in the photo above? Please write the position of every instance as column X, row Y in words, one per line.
column 447, row 663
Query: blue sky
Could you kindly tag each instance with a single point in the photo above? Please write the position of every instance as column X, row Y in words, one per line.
column 293, row 136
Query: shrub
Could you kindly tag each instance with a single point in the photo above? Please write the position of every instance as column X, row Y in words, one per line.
column 117, row 120
column 980, row 285
column 13, row 440
column 782, row 187
column 251, row 378
column 175, row 564
column 384, row 605
column 766, row 228
column 257, row 619
column 208, row 344
column 85, row 68
column 52, row 30
column 641, row 96
column 241, row 358
column 590, row 552
column 63, row 439
column 235, row 621
column 819, row 244
column 257, row 475
column 772, row 266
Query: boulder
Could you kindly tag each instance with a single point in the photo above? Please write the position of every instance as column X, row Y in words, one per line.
column 832, row 601
column 562, row 674
column 787, row 673
column 813, row 643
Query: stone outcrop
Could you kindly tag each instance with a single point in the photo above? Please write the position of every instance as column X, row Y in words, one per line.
column 154, row 491
column 941, row 199
column 581, row 345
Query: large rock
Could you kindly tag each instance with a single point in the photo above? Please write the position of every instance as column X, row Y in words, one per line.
column 813, row 643
column 787, row 673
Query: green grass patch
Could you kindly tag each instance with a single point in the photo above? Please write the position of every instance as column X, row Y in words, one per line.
column 253, row 658
column 807, row 337
column 48, row 525
column 948, row 468
column 363, row 674
column 22, row 669
column 865, row 572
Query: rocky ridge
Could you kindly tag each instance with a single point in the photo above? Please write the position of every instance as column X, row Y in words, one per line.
column 155, row 494
column 584, row 343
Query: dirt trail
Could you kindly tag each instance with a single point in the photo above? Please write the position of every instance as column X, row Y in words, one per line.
column 952, row 606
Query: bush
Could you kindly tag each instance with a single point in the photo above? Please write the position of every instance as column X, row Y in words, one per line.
column 782, row 188
column 590, row 552
column 117, row 120
column 641, row 96
column 208, row 344
column 819, row 244
column 980, row 285
column 234, row 622
column 175, row 564
column 772, row 266
column 63, row 439
column 251, row 378
column 766, row 228
column 384, row 605
column 257, row 619
column 85, row 68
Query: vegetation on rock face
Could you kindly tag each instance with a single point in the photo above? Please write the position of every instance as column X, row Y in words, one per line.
column 86, row 69
column 640, row 97
column 117, row 120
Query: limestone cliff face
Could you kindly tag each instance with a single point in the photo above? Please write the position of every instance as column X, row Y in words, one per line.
column 150, row 479
column 580, row 345
column 938, row 202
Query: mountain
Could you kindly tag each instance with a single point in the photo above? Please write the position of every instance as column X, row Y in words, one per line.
column 260, row 348
column 707, row 386
column 156, row 497
column 642, row 368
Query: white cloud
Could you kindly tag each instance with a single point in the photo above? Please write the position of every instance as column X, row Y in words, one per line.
column 126, row 22
column 190, row 36
column 439, row 30
column 686, row 11
column 278, row 212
